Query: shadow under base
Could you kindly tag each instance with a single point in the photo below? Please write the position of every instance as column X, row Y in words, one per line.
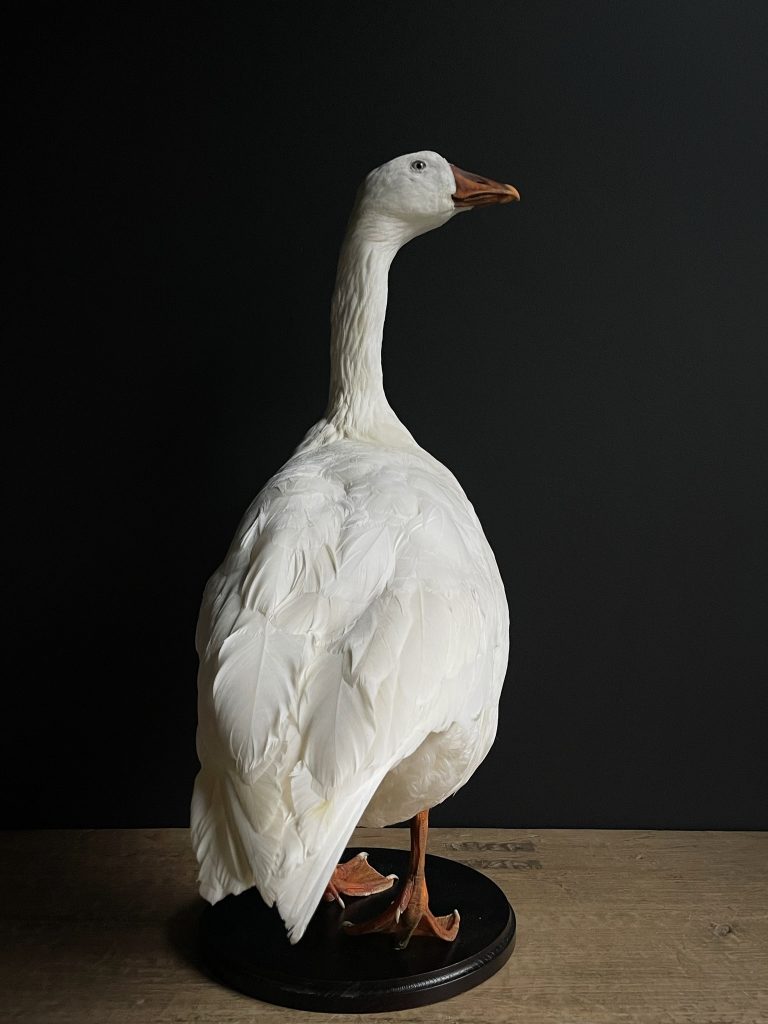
column 244, row 945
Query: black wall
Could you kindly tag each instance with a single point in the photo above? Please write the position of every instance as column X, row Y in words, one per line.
column 591, row 363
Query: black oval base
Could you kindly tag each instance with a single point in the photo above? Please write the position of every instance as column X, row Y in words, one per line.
column 244, row 945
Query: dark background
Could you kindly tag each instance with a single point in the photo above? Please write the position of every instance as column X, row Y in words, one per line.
column 591, row 364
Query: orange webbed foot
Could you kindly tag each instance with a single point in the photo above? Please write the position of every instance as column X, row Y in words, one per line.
column 408, row 915
column 356, row 877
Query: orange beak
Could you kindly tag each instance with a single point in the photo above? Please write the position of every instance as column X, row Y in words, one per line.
column 474, row 190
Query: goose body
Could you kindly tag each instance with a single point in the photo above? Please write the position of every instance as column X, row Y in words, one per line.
column 354, row 642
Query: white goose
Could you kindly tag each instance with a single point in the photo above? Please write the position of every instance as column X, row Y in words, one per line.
column 354, row 642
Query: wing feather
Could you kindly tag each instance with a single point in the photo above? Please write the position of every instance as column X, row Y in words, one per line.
column 254, row 690
column 336, row 723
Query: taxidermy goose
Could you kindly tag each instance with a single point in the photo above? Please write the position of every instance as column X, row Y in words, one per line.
column 354, row 642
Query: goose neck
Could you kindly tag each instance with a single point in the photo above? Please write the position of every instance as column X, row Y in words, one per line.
column 358, row 406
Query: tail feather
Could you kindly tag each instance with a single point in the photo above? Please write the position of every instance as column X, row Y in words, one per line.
column 300, row 892
column 242, row 840
column 235, row 850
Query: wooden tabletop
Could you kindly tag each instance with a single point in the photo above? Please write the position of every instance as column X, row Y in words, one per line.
column 613, row 926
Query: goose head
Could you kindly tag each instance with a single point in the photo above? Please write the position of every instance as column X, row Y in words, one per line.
column 420, row 191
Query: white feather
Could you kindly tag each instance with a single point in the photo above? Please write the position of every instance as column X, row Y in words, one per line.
column 335, row 722
column 253, row 690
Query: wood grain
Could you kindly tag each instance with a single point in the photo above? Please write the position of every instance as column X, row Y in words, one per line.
column 613, row 926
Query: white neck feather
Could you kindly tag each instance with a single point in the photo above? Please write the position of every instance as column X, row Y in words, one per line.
column 357, row 405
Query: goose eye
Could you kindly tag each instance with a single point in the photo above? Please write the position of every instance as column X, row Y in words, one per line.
column 418, row 165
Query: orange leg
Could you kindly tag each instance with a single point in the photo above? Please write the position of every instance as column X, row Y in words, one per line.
column 409, row 913
column 356, row 877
